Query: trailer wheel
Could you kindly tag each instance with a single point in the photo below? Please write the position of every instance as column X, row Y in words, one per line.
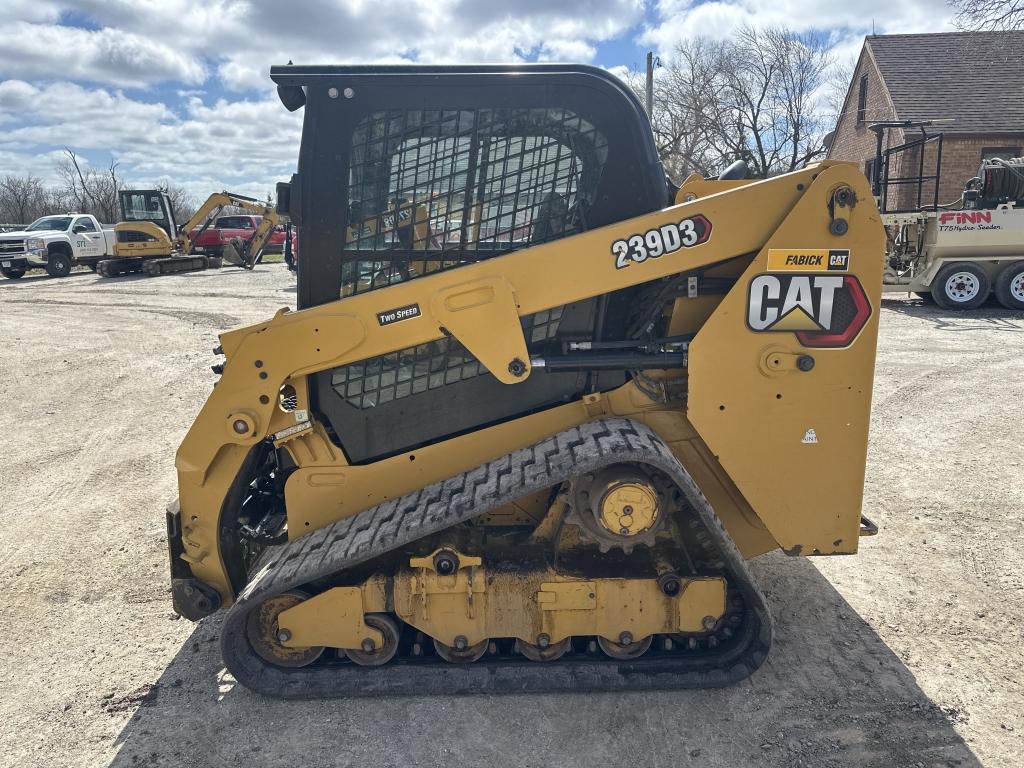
column 12, row 273
column 1010, row 286
column 59, row 264
column 960, row 286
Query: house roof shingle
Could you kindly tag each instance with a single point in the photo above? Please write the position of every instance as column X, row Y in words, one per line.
column 976, row 79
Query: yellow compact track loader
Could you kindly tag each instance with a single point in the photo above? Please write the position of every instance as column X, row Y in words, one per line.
column 537, row 406
column 149, row 240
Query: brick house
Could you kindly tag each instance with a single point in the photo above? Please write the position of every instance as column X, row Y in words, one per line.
column 973, row 80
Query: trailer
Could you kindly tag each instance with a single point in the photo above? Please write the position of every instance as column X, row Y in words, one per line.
column 959, row 253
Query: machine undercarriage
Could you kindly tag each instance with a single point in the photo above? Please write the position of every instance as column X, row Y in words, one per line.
column 464, row 573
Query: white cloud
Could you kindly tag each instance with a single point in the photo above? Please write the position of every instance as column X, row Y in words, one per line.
column 242, row 38
column 237, row 145
column 31, row 10
column 205, row 25
column 73, row 104
column 38, row 164
column 106, row 55
column 679, row 19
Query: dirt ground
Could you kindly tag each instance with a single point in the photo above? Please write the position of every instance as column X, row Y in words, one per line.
column 909, row 654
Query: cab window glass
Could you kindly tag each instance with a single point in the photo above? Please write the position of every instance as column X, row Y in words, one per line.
column 143, row 206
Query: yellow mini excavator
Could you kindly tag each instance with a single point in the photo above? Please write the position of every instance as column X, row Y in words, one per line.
column 537, row 406
column 148, row 238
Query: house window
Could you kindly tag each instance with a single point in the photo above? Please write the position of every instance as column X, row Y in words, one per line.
column 1003, row 153
column 862, row 100
column 869, row 170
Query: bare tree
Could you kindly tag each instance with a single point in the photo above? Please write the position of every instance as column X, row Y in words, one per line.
column 988, row 15
column 23, row 199
column 774, row 119
column 183, row 203
column 687, row 108
column 837, row 83
column 89, row 190
column 757, row 98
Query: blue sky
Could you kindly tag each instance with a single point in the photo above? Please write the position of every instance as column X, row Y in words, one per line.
column 178, row 90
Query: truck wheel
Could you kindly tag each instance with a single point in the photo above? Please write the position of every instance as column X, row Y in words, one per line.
column 59, row 264
column 960, row 286
column 12, row 273
column 924, row 296
column 1010, row 286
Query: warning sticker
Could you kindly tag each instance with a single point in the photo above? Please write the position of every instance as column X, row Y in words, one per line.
column 808, row 260
column 292, row 431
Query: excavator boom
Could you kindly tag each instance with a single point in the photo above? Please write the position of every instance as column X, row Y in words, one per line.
column 250, row 253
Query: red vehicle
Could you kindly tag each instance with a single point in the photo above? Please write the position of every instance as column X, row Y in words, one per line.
column 224, row 228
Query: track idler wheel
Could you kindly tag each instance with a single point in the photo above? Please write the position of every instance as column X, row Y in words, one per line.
column 370, row 656
column 266, row 638
column 544, row 651
column 461, row 655
column 627, row 649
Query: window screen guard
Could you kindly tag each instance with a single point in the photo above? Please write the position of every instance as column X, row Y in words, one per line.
column 430, row 190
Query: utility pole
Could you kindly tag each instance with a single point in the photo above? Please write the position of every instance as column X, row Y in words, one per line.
column 650, row 84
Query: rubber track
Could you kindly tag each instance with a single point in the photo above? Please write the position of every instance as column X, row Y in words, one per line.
column 399, row 522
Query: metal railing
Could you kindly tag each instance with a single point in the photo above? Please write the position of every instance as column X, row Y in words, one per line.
column 906, row 176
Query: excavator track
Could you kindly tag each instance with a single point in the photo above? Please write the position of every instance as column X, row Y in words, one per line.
column 172, row 265
column 119, row 267
column 152, row 267
column 720, row 660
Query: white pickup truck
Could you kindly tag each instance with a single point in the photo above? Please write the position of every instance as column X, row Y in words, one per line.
column 56, row 244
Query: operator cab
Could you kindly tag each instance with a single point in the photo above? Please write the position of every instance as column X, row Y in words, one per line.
column 405, row 171
column 148, row 205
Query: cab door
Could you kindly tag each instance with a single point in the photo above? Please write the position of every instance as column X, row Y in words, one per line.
column 86, row 239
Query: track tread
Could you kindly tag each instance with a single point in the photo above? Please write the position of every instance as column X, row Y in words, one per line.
column 398, row 522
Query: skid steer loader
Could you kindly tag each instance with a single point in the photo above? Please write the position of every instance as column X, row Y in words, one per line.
column 524, row 435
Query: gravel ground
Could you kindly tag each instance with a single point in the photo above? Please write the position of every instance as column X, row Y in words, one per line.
column 906, row 655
